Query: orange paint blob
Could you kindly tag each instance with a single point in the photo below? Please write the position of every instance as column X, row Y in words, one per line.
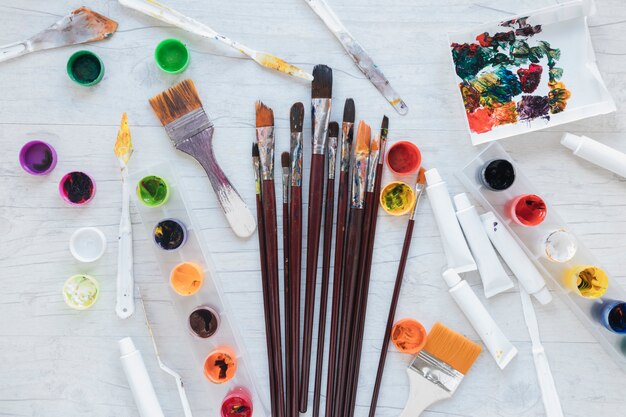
column 481, row 120
column 408, row 336
column 220, row 366
column 505, row 114
column 187, row 278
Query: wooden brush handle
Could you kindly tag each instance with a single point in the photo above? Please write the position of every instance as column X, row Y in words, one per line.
column 295, row 272
column 422, row 394
column 287, row 312
column 316, row 200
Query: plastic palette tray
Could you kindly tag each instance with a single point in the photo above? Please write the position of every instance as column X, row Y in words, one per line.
column 530, row 239
column 208, row 295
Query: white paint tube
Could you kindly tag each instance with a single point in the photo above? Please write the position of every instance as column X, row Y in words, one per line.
column 494, row 277
column 597, row 153
column 454, row 245
column 496, row 342
column 516, row 258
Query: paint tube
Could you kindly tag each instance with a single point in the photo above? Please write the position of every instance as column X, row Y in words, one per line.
column 454, row 245
column 496, row 342
column 516, row 258
column 494, row 277
column 597, row 153
column 139, row 380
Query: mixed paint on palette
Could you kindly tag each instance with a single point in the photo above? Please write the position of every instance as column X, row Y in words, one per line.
column 501, row 73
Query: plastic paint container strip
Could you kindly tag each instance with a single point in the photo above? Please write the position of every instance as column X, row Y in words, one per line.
column 187, row 278
column 404, row 158
column 204, row 322
column 497, row 175
column 171, row 56
column 81, row 291
column 588, row 280
column 85, row 68
column 170, row 234
column 220, row 366
column 153, row 191
column 408, row 336
column 77, row 188
column 88, row 244
column 397, row 198
column 237, row 403
column 528, row 210
column 38, row 157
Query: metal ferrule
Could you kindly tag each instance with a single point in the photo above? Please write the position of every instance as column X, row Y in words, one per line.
column 359, row 176
column 320, row 114
column 285, row 185
column 256, row 165
column 332, row 156
column 296, row 159
column 188, row 126
column 346, row 129
column 382, row 148
column 419, row 190
column 265, row 138
column 373, row 165
column 436, row 371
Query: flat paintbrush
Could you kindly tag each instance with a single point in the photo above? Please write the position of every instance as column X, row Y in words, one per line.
column 420, row 186
column 333, row 133
column 265, row 139
column 340, row 236
column 287, row 286
column 321, row 93
column 296, row 119
column 180, row 111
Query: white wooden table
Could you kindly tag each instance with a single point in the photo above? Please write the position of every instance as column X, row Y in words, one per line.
column 58, row 362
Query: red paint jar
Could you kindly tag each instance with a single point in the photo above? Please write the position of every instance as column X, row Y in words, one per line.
column 237, row 403
column 528, row 210
column 404, row 158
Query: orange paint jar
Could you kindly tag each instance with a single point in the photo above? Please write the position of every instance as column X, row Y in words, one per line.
column 220, row 366
column 408, row 336
column 187, row 278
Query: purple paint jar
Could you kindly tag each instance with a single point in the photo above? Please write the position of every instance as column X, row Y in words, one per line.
column 38, row 157
column 77, row 188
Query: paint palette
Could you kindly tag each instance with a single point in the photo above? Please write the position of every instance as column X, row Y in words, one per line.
column 595, row 299
column 191, row 277
column 528, row 73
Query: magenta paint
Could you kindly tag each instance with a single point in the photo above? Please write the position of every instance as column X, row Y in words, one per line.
column 77, row 188
column 238, row 403
column 38, row 157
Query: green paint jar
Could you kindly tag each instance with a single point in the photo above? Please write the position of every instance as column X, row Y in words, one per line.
column 85, row 68
column 153, row 191
column 172, row 56
column 81, row 291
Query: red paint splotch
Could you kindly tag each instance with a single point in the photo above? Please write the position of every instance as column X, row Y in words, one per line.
column 530, row 77
column 481, row 120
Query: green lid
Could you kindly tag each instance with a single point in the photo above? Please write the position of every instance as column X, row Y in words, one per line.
column 85, row 68
column 153, row 191
column 172, row 56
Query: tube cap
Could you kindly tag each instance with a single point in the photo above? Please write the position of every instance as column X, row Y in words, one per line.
column 451, row 277
column 543, row 296
column 462, row 202
column 126, row 346
column 571, row 141
column 432, row 176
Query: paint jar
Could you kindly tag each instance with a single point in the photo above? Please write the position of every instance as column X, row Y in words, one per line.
column 187, row 278
column 203, row 322
column 153, row 191
column 559, row 246
column 397, row 198
column 404, row 158
column 612, row 315
column 77, row 188
column 85, row 68
column 237, row 403
column 588, row 280
column 170, row 234
column 497, row 175
column 220, row 366
column 528, row 210
column 88, row 244
column 171, row 56
column 81, row 291
column 408, row 336
column 38, row 157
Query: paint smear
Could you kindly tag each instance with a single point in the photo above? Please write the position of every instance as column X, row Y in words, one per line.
column 533, row 107
column 505, row 114
column 530, row 77
column 557, row 97
column 481, row 120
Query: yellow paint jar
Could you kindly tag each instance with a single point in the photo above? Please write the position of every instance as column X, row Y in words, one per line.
column 588, row 280
column 187, row 278
column 397, row 198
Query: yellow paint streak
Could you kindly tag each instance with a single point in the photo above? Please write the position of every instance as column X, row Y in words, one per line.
column 275, row 63
column 123, row 145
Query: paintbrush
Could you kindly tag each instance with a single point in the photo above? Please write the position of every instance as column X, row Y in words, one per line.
column 285, row 164
column 420, row 186
column 296, row 119
column 438, row 369
column 165, row 14
column 125, row 306
column 180, row 111
column 340, row 236
column 359, row 56
column 333, row 134
column 256, row 165
column 321, row 93
column 179, row 380
column 355, row 224
column 80, row 26
column 265, row 140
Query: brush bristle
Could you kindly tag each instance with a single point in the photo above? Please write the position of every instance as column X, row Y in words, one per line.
column 285, row 160
column 421, row 176
column 255, row 150
column 264, row 115
column 375, row 143
column 384, row 126
column 452, row 348
column 348, row 111
column 296, row 117
column 175, row 102
column 322, row 85
column 363, row 136
column 333, row 129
